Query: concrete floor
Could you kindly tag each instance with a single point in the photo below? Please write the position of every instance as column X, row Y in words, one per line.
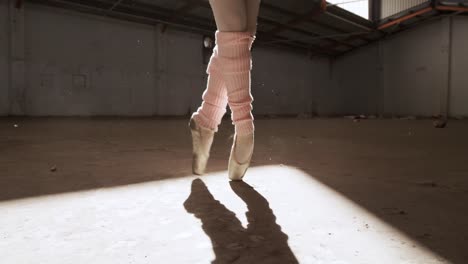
column 319, row 191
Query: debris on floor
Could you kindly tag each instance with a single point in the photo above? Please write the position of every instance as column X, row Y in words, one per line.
column 358, row 118
column 235, row 246
column 394, row 211
column 428, row 184
column 440, row 123
column 408, row 118
column 304, row 116
column 425, row 235
column 256, row 238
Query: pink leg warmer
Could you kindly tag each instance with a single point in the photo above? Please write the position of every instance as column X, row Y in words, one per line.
column 236, row 63
column 215, row 100
column 229, row 83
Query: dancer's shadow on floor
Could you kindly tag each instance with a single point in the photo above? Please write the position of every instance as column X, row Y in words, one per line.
column 261, row 242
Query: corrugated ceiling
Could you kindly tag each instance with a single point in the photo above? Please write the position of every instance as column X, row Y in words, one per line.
column 299, row 25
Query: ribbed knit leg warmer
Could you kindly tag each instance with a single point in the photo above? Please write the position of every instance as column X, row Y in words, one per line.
column 235, row 62
column 215, row 100
column 228, row 83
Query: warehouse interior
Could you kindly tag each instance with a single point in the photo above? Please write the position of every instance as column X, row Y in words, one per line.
column 361, row 147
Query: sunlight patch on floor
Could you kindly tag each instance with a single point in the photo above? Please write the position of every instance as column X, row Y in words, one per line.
column 147, row 223
column 325, row 227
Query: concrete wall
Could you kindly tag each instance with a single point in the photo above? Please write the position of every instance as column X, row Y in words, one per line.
column 356, row 80
column 78, row 64
column 181, row 73
column 414, row 71
column 459, row 90
column 83, row 65
column 4, row 54
column 285, row 83
column 407, row 74
column 391, row 7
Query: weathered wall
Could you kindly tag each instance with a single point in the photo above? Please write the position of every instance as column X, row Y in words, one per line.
column 391, row 7
column 459, row 90
column 413, row 71
column 4, row 54
column 83, row 65
column 407, row 74
column 77, row 64
column 356, row 78
column 285, row 83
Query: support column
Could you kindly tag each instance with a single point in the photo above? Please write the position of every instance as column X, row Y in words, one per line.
column 381, row 111
column 375, row 11
column 161, row 67
column 446, row 49
column 17, row 88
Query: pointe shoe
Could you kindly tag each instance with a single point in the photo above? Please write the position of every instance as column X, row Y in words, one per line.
column 202, row 138
column 239, row 161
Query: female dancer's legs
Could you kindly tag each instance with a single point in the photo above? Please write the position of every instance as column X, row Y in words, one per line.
column 236, row 22
column 229, row 75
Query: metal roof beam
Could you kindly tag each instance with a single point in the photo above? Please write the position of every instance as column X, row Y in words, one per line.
column 403, row 18
column 304, row 32
column 299, row 19
column 115, row 5
column 309, row 19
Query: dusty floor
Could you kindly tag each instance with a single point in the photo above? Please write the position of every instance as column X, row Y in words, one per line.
column 319, row 191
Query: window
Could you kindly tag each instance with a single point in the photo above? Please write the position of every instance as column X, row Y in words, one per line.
column 358, row 7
